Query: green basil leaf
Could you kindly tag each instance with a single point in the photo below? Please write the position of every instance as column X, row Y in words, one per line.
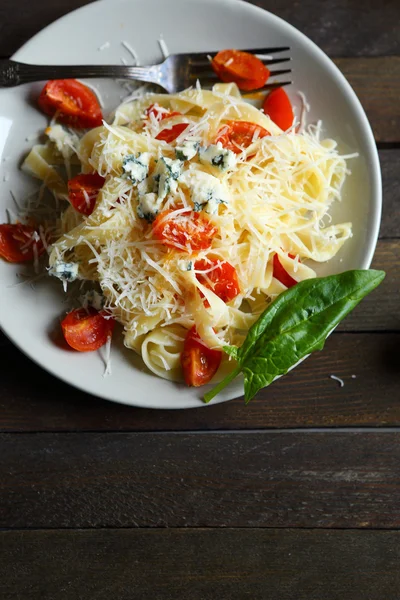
column 232, row 351
column 294, row 325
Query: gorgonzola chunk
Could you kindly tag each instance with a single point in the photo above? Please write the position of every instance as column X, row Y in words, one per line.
column 206, row 191
column 136, row 167
column 187, row 150
column 217, row 156
column 165, row 176
column 66, row 271
column 148, row 206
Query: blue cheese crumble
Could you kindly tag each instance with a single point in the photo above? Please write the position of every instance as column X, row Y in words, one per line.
column 206, row 191
column 217, row 156
column 185, row 265
column 153, row 190
column 187, row 150
column 92, row 298
column 66, row 271
column 148, row 206
column 165, row 176
column 136, row 167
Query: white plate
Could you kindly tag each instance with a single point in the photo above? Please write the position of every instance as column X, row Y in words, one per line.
column 28, row 315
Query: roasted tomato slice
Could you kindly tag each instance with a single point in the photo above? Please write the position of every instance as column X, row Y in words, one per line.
column 189, row 231
column 86, row 330
column 168, row 134
column 242, row 68
column 75, row 104
column 280, row 273
column 219, row 276
column 199, row 363
column 83, row 190
column 160, row 113
column 238, row 135
column 277, row 106
column 19, row 243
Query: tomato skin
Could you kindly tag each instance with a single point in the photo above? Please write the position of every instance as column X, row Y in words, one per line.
column 89, row 183
column 280, row 273
column 86, row 330
column 222, row 280
column 242, row 68
column 17, row 243
column 167, row 134
column 160, row 115
column 237, row 135
column 199, row 363
column 189, row 232
column 278, row 107
column 75, row 104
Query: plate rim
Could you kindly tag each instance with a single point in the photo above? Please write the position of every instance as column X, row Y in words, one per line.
column 376, row 183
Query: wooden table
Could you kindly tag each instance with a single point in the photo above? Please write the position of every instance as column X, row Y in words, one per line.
column 296, row 496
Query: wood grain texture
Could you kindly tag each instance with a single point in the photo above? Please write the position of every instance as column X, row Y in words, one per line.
column 306, row 397
column 380, row 311
column 266, row 479
column 390, row 166
column 376, row 82
column 340, row 27
column 200, row 565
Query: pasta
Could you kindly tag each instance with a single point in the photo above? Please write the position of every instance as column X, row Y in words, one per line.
column 265, row 202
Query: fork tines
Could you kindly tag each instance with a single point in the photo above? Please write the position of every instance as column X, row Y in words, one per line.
column 200, row 65
column 264, row 54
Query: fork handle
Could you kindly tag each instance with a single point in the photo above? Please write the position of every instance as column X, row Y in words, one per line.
column 15, row 73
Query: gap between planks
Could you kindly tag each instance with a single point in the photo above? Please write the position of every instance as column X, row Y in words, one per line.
column 184, row 432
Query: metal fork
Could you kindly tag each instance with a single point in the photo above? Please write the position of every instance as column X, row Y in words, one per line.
column 177, row 72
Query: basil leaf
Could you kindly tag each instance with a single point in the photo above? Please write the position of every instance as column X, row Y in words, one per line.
column 294, row 325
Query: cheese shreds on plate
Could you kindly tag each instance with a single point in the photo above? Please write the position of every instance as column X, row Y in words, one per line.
column 174, row 197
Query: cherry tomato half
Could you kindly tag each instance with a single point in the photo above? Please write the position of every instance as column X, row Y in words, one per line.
column 86, row 330
column 238, row 135
column 160, row 113
column 168, row 134
column 277, row 106
column 83, row 191
column 19, row 243
column 220, row 277
column 189, row 231
column 199, row 363
column 75, row 104
column 280, row 273
column 242, row 68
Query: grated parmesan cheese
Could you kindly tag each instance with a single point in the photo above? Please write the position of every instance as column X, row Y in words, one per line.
column 104, row 46
column 271, row 198
column 338, row 379
column 132, row 52
column 107, row 357
column 305, row 109
column 163, row 46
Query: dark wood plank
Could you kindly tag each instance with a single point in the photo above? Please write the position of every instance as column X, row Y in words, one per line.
column 390, row 165
column 306, row 397
column 369, row 399
column 340, row 27
column 269, row 479
column 376, row 82
column 200, row 565
column 339, row 35
column 380, row 310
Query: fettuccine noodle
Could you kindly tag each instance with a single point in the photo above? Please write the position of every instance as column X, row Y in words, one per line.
column 273, row 199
